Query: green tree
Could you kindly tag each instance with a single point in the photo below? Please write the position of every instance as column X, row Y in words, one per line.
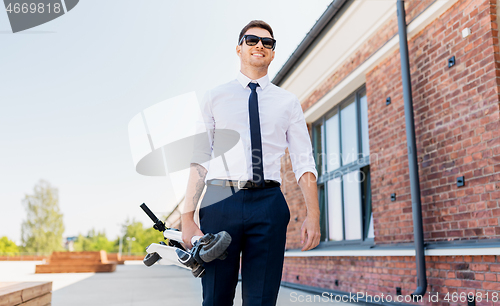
column 143, row 236
column 42, row 231
column 8, row 246
column 95, row 241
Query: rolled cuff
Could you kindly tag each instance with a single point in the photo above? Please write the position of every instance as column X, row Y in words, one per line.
column 300, row 172
column 205, row 165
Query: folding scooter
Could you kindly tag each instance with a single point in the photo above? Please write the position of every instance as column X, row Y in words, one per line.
column 205, row 248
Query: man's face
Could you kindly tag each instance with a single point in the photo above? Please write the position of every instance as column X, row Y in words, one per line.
column 256, row 56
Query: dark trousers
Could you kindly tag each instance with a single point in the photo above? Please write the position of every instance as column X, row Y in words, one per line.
column 257, row 220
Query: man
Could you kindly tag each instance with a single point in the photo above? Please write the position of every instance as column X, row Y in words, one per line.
column 243, row 195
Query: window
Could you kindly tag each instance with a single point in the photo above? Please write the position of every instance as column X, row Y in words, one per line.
column 341, row 147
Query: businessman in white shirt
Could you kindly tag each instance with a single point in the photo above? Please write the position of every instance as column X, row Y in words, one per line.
column 243, row 196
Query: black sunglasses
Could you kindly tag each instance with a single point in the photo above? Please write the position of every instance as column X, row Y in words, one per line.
column 253, row 40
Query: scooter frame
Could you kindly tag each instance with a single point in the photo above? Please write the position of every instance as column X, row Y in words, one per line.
column 174, row 253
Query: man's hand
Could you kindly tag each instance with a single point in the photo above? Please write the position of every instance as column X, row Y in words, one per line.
column 190, row 229
column 310, row 230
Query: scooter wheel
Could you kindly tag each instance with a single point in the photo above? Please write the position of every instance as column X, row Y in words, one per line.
column 216, row 247
column 151, row 259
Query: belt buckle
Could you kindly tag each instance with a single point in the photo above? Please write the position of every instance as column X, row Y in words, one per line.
column 240, row 186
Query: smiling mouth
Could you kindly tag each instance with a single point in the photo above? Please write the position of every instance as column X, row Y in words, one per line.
column 258, row 55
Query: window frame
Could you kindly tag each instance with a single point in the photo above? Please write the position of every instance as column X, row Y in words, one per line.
column 357, row 165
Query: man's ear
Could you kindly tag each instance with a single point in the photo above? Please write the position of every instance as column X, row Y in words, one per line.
column 272, row 57
column 238, row 50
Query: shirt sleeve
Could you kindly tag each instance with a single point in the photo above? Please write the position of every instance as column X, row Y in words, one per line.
column 205, row 128
column 299, row 143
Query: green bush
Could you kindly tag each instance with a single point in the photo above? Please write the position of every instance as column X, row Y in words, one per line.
column 143, row 236
column 95, row 241
column 8, row 246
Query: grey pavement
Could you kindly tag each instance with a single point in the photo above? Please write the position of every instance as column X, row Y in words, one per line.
column 136, row 285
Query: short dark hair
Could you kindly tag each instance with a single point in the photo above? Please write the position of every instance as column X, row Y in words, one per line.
column 256, row 24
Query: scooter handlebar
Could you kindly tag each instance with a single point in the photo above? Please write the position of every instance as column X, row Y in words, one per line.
column 159, row 225
column 149, row 212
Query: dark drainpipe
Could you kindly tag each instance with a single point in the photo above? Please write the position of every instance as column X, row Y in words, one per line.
column 416, row 205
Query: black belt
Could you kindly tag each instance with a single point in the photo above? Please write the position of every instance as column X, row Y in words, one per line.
column 243, row 184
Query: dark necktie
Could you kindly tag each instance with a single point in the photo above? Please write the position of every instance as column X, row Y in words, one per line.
column 253, row 110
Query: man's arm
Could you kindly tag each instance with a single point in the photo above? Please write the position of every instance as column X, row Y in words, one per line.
column 196, row 183
column 304, row 167
column 310, row 228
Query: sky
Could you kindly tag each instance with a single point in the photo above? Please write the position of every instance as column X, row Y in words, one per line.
column 70, row 87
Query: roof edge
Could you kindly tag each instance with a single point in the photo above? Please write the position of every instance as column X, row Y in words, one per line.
column 310, row 38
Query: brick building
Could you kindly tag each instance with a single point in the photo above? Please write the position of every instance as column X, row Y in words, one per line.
column 347, row 75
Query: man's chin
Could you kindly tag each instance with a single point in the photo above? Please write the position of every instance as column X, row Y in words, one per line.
column 259, row 63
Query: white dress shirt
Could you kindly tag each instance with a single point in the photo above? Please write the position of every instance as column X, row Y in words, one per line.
column 282, row 125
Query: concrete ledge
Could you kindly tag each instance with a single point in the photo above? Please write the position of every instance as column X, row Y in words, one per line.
column 457, row 251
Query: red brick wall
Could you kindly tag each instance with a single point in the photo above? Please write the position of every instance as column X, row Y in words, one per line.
column 458, row 134
column 375, row 275
column 457, row 130
column 290, row 188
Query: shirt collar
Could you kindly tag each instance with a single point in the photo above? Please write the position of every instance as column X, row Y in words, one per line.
column 244, row 80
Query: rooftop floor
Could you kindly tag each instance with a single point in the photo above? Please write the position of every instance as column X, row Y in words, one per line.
column 132, row 284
